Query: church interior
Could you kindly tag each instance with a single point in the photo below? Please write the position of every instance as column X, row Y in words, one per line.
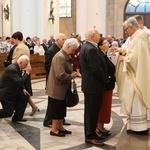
column 43, row 19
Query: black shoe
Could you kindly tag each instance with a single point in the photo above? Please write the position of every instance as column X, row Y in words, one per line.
column 145, row 132
column 99, row 132
column 66, row 123
column 49, row 126
column 65, row 131
column 19, row 120
column 100, row 137
column 57, row 134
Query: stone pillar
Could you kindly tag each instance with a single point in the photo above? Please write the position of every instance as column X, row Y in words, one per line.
column 31, row 17
column 6, row 22
column 90, row 13
column 101, row 16
column 81, row 17
column 115, row 16
column 119, row 7
column 28, row 17
column 1, row 18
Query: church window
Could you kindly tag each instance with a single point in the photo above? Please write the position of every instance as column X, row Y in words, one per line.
column 64, row 8
column 138, row 7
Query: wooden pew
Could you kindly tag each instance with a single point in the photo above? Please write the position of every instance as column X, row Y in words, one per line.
column 37, row 63
column 3, row 57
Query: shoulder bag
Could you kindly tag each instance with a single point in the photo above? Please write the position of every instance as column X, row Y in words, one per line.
column 72, row 98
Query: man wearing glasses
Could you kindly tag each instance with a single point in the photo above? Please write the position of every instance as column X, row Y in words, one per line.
column 135, row 94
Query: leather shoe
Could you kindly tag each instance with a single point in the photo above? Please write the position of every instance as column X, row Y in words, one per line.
column 102, row 137
column 57, row 134
column 95, row 142
column 145, row 132
column 66, row 123
column 99, row 132
column 65, row 131
column 19, row 120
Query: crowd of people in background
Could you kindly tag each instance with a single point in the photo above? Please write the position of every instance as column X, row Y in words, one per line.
column 94, row 60
column 6, row 44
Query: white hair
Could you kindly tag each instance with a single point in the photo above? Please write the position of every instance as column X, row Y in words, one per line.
column 71, row 42
column 131, row 22
column 114, row 43
column 23, row 58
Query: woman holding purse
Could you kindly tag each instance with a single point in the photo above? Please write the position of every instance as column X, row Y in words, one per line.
column 60, row 76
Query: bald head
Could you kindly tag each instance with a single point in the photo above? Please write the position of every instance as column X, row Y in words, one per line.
column 44, row 40
column 92, row 35
column 51, row 36
column 109, row 38
column 23, row 61
column 60, row 39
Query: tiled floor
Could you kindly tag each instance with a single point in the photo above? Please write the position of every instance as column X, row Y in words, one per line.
column 32, row 135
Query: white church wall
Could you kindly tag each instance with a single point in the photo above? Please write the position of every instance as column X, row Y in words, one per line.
column 101, row 16
column 90, row 14
column 81, row 17
column 15, row 16
column 6, row 22
column 28, row 17
column 49, row 27
column 31, row 17
column 40, row 19
column 1, row 17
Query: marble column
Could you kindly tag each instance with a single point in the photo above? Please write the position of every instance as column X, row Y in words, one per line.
column 101, row 16
column 28, row 17
column 90, row 13
column 81, row 17
column 31, row 17
column 1, row 18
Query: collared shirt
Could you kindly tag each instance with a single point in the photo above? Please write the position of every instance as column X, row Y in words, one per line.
column 95, row 44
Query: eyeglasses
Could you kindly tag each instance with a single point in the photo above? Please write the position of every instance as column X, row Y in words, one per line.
column 126, row 28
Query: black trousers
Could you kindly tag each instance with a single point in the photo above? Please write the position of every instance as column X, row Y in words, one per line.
column 7, row 108
column 47, row 119
column 21, row 104
column 92, row 107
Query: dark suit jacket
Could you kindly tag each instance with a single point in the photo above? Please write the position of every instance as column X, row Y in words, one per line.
column 10, row 82
column 51, row 42
column 111, row 73
column 31, row 47
column 45, row 47
column 9, row 57
column 93, row 69
column 49, row 56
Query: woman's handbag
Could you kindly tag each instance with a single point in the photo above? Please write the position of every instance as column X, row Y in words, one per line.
column 72, row 98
